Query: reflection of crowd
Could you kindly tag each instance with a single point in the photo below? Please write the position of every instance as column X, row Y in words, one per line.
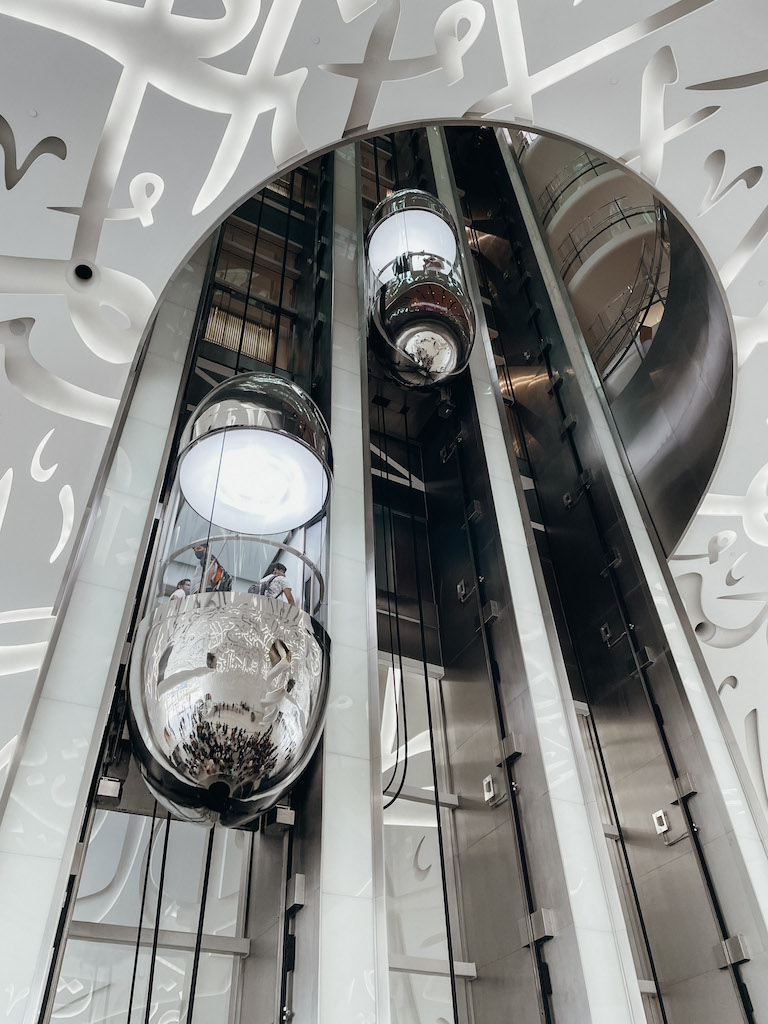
column 214, row 748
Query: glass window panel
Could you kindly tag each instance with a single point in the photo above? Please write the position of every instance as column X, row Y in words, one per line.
column 420, row 998
column 226, row 327
column 95, row 982
column 285, row 344
column 265, row 283
column 234, row 270
column 113, row 875
column 271, row 248
column 415, row 911
column 282, row 186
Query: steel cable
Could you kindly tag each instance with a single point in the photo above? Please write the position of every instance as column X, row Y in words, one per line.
column 141, row 913
column 156, row 930
column 435, row 780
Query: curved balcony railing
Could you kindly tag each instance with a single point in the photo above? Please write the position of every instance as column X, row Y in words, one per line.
column 246, row 558
column 569, row 179
column 616, row 328
column 608, row 221
column 519, row 141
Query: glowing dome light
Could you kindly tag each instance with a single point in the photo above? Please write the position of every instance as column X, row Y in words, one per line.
column 256, row 457
column 263, row 482
column 409, row 232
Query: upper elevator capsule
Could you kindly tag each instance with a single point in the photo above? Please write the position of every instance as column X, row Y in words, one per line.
column 228, row 680
column 422, row 323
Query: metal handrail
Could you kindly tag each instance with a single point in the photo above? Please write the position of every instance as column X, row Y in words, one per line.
column 255, row 539
column 523, row 142
column 622, row 333
column 615, row 320
column 596, row 224
column 553, row 195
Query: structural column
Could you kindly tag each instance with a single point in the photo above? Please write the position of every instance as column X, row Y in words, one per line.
column 736, row 852
column 589, row 957
column 39, row 831
column 352, row 984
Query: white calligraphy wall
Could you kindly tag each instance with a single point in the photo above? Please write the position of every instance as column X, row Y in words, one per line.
column 129, row 129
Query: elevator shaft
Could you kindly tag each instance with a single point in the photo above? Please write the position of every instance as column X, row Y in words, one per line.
column 615, row 651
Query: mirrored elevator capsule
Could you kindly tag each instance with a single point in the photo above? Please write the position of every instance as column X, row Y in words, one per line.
column 421, row 319
column 229, row 672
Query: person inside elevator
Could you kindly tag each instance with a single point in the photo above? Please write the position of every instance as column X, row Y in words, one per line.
column 216, row 576
column 182, row 588
column 273, row 584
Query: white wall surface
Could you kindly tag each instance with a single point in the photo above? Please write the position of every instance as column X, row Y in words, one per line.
column 129, row 131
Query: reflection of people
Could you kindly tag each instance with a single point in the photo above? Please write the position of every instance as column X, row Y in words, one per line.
column 216, row 576
column 434, row 263
column 182, row 588
column 273, row 584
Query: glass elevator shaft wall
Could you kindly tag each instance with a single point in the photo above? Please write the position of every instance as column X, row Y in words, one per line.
column 458, row 885
column 635, row 721
column 229, row 673
column 164, row 916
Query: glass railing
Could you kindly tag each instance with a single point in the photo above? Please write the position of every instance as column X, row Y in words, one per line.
column 568, row 180
column 519, row 141
column 617, row 327
column 245, row 561
column 608, row 221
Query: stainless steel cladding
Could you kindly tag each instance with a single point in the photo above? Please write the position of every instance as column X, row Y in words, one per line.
column 260, row 401
column 421, row 319
column 228, row 695
column 228, row 678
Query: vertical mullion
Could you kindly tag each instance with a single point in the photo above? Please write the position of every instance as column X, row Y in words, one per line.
column 282, row 270
column 156, row 930
column 250, row 284
column 141, row 912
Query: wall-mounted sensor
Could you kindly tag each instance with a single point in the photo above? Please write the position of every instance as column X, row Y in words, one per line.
column 660, row 822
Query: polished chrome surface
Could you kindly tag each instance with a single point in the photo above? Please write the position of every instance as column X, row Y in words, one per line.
column 673, row 414
column 228, row 692
column 639, row 723
column 421, row 319
column 406, row 199
column 261, row 401
column 424, row 326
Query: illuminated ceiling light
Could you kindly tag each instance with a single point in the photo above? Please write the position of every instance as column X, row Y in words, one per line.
column 420, row 316
column 256, row 456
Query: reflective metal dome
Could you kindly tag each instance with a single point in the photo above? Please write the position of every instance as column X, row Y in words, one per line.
column 228, row 694
column 261, row 401
column 420, row 315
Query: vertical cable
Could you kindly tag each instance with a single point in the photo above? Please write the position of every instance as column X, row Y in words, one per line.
column 199, row 936
column 141, row 913
column 395, row 168
column 403, row 699
column 278, row 315
column 208, row 557
column 250, row 284
column 633, row 643
column 542, row 971
column 435, row 780
column 376, row 169
column 391, row 636
column 156, row 929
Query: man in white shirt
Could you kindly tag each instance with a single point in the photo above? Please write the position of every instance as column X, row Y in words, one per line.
column 182, row 589
column 274, row 583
